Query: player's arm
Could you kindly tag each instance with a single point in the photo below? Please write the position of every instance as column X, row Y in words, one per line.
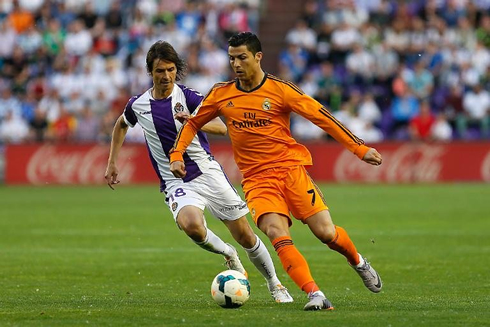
column 314, row 111
column 206, row 113
column 118, row 134
column 215, row 126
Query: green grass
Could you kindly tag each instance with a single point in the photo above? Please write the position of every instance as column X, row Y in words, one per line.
column 92, row 256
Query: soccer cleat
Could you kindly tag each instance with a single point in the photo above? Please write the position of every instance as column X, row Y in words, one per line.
column 233, row 262
column 318, row 301
column 369, row 276
column 281, row 294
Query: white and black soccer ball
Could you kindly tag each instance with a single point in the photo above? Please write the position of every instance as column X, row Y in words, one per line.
column 230, row 289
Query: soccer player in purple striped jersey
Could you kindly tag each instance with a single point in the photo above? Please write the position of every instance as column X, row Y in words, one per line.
column 161, row 111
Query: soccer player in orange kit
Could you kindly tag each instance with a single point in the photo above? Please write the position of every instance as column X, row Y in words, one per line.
column 257, row 109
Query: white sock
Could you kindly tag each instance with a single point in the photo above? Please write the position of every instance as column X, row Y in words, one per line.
column 361, row 261
column 261, row 258
column 213, row 243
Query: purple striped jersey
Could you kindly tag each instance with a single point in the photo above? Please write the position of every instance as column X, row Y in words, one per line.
column 156, row 117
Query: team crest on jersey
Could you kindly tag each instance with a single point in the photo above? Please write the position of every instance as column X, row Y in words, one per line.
column 266, row 105
column 174, row 206
column 178, row 107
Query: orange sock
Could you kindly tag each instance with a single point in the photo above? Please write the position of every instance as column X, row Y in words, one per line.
column 294, row 263
column 343, row 245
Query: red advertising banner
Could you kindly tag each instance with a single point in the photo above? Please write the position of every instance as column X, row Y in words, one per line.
column 74, row 164
column 402, row 163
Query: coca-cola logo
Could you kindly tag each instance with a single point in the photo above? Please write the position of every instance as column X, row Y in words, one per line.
column 407, row 163
column 485, row 168
column 51, row 164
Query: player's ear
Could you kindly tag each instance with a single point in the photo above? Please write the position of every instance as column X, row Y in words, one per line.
column 258, row 56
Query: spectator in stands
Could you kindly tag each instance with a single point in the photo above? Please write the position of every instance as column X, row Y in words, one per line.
column 54, row 37
column 483, row 31
column 7, row 39
column 78, row 40
column 50, row 104
column 303, row 36
column 327, row 84
column 63, row 128
column 13, row 129
column 441, row 130
column 421, row 125
column 368, row 110
column 87, row 126
column 403, row 109
column 360, row 65
column 38, row 126
column 421, row 82
column 9, row 104
column 476, row 105
column 19, row 18
column 453, row 104
column 295, row 59
column 343, row 40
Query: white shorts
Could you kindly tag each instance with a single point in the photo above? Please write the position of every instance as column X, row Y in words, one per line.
column 210, row 190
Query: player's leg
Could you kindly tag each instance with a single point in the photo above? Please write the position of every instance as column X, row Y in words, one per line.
column 259, row 255
column 225, row 204
column 313, row 211
column 276, row 227
column 265, row 199
column 337, row 239
column 191, row 220
column 187, row 208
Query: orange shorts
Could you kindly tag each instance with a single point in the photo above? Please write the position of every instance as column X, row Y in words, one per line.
column 283, row 191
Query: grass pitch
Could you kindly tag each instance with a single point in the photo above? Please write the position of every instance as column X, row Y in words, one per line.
column 72, row 256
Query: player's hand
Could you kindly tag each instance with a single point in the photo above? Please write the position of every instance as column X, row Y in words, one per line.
column 373, row 157
column 111, row 173
column 182, row 117
column 178, row 169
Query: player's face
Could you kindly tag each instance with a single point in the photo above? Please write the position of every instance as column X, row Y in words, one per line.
column 243, row 62
column 164, row 74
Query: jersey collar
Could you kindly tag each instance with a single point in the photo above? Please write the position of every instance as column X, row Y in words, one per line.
column 237, row 84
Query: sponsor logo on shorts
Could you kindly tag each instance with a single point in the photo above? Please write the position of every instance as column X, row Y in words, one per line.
column 253, row 212
column 174, row 206
column 232, row 208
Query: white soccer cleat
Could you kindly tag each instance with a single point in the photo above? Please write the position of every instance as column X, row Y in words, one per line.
column 318, row 301
column 233, row 262
column 280, row 294
column 369, row 276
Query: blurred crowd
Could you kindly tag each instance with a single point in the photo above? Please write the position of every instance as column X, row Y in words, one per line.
column 394, row 70
column 68, row 67
column 389, row 70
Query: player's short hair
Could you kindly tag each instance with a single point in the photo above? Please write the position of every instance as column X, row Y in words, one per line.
column 246, row 38
column 163, row 50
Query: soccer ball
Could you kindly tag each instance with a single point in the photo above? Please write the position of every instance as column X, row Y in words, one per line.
column 230, row 289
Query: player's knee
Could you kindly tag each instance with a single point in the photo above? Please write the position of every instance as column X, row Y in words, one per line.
column 247, row 239
column 243, row 233
column 328, row 233
column 193, row 227
column 274, row 231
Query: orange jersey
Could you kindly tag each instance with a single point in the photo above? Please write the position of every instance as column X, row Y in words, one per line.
column 258, row 124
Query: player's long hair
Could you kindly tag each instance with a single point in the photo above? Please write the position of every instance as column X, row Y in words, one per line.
column 246, row 38
column 163, row 50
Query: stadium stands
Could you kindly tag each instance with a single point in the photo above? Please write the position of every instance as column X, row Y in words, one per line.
column 68, row 67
